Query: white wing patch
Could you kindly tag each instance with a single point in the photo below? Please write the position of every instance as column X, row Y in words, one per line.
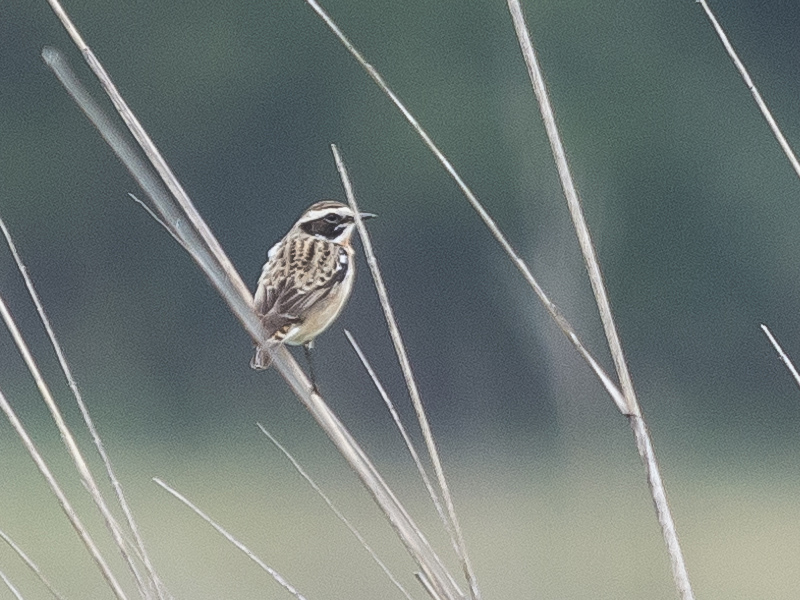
column 273, row 250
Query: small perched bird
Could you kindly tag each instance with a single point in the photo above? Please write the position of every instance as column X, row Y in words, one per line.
column 307, row 278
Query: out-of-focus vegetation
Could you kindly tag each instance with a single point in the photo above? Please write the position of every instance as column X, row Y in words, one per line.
column 693, row 207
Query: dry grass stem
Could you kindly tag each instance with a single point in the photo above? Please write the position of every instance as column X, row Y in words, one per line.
column 575, row 210
column 781, row 354
column 626, row 401
column 406, row 529
column 184, row 221
column 210, row 258
column 72, row 448
column 403, row 432
column 426, row 584
column 155, row 581
column 641, row 434
column 31, row 565
column 454, row 530
column 520, row 264
column 151, row 213
column 272, row 572
column 339, row 515
column 659, row 494
column 70, row 513
column 154, row 156
column 762, row 106
column 10, row 586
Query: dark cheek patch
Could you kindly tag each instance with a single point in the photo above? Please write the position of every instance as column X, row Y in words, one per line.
column 309, row 228
column 323, row 228
column 314, row 228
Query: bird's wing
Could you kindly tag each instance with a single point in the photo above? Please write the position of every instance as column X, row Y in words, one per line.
column 299, row 274
column 319, row 270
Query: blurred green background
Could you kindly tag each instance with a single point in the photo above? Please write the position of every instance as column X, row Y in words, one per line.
column 692, row 205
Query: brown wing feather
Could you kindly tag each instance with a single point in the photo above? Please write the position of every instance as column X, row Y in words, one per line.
column 302, row 272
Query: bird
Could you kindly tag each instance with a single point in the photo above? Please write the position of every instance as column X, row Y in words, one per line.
column 307, row 279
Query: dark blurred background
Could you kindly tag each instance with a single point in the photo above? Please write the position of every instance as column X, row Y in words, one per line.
column 693, row 207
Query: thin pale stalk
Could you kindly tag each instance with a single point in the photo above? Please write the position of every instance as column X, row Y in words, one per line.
column 98, row 442
column 762, row 106
column 72, row 447
column 403, row 432
column 658, row 492
column 426, row 584
column 214, row 263
column 146, row 143
column 178, row 224
column 520, row 264
column 407, row 530
column 152, row 214
column 225, row 279
column 210, row 258
column 781, row 354
column 641, row 434
column 279, row 579
column 454, row 531
column 575, row 210
column 339, row 515
column 31, row 565
column 70, row 513
column 10, row 586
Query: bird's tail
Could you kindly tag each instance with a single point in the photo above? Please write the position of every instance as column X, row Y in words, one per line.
column 261, row 359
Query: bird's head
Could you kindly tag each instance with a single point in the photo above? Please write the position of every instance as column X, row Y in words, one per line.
column 329, row 220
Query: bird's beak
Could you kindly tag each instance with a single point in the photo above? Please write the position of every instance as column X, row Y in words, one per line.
column 365, row 216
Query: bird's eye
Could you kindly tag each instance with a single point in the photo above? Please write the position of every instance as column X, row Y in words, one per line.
column 332, row 218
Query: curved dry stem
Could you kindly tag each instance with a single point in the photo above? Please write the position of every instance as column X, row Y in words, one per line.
column 186, row 223
column 403, row 432
column 10, row 586
column 31, row 565
column 781, row 354
column 239, row 545
column 575, row 210
column 70, row 513
column 762, row 106
column 154, row 579
column 453, row 528
column 72, row 448
column 641, row 434
column 339, row 515
column 520, row 264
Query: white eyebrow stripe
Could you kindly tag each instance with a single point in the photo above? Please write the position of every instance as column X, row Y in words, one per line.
column 318, row 214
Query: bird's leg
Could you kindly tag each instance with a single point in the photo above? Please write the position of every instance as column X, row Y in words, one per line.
column 307, row 351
